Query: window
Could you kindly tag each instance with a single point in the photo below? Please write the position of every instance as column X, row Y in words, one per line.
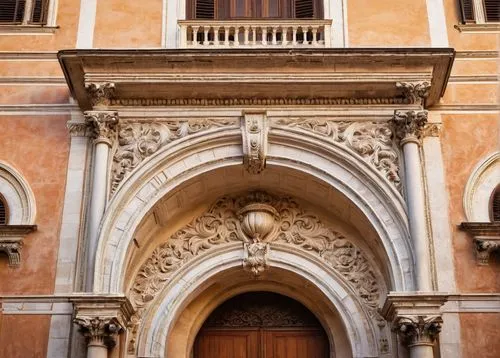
column 256, row 9
column 23, row 12
column 495, row 205
column 4, row 214
column 480, row 11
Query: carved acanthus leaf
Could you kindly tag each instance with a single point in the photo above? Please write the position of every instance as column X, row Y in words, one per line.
column 418, row 329
column 371, row 140
column 220, row 225
column 409, row 125
column 137, row 141
column 100, row 94
column 415, row 92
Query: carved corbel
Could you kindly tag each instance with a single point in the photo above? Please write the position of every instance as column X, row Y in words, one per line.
column 415, row 92
column 103, row 124
column 254, row 131
column 102, row 319
column 486, row 239
column 409, row 125
column 11, row 241
column 100, row 94
column 255, row 259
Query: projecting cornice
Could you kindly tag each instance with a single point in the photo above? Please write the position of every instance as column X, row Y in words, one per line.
column 257, row 77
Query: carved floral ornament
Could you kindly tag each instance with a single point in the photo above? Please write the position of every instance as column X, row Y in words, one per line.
column 257, row 220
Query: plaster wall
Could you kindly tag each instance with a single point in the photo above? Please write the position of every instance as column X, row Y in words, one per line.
column 24, row 335
column 480, row 334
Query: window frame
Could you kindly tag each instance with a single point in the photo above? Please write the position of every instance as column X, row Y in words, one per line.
column 494, row 193
column 478, row 13
column 29, row 27
column 5, row 205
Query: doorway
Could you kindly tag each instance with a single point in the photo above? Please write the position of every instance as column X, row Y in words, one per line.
column 261, row 325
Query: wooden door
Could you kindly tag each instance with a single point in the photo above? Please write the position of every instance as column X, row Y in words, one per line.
column 261, row 325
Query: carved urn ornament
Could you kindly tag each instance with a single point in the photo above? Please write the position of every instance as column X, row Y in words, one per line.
column 257, row 220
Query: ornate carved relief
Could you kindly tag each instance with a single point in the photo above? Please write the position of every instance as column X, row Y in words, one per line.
column 100, row 94
column 257, row 220
column 254, row 131
column 415, row 92
column 370, row 140
column 431, row 130
column 99, row 330
column 137, row 141
column 417, row 330
column 79, row 129
column 409, row 125
column 103, row 125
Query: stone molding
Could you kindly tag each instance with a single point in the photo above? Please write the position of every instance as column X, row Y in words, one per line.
column 415, row 92
column 486, row 239
column 415, row 316
column 103, row 124
column 370, row 140
column 101, row 319
column 100, row 94
column 138, row 141
column 409, row 125
column 11, row 241
column 254, row 131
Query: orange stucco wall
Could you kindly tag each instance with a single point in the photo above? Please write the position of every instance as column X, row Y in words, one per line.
column 466, row 139
column 23, row 336
column 384, row 24
column 38, row 148
column 480, row 334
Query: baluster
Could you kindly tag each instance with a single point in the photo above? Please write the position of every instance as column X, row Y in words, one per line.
column 254, row 35
column 314, row 32
column 264, row 36
column 275, row 29
column 195, row 35
column 237, row 35
column 216, row 35
column 206, row 29
column 294, row 35
column 226, row 36
column 284, row 35
column 246, row 29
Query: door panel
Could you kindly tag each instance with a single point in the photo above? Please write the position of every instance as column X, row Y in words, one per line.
column 295, row 344
column 227, row 344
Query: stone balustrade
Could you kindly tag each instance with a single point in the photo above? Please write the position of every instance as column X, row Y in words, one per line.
column 254, row 33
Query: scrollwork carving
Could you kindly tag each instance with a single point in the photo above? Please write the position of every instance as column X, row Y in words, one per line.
column 370, row 140
column 409, row 125
column 103, row 124
column 138, row 141
column 222, row 224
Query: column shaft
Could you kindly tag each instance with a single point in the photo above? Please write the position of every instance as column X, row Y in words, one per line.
column 421, row 351
column 416, row 214
column 97, row 349
column 97, row 206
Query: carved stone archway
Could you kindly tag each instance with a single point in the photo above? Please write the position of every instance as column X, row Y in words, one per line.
column 256, row 232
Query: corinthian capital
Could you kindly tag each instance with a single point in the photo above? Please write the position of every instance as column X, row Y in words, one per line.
column 409, row 125
column 418, row 330
column 100, row 331
column 100, row 94
column 103, row 125
column 415, row 92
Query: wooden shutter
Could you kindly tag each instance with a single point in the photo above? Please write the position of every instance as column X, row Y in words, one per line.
column 495, row 205
column 11, row 11
column 3, row 211
column 467, row 11
column 304, row 9
column 205, row 9
column 39, row 14
column 492, row 10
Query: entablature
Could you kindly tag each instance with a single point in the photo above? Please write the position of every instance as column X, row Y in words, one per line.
column 232, row 77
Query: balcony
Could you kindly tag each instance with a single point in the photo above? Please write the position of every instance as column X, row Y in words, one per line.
column 255, row 34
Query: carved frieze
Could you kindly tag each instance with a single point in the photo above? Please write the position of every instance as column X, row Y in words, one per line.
column 103, row 124
column 254, row 137
column 137, row 141
column 291, row 225
column 415, row 92
column 370, row 140
column 409, row 125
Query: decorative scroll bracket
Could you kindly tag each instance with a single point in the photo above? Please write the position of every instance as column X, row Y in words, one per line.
column 486, row 239
column 254, row 135
column 11, row 241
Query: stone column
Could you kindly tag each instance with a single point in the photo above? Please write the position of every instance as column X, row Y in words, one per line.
column 416, row 318
column 408, row 129
column 103, row 124
column 101, row 320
